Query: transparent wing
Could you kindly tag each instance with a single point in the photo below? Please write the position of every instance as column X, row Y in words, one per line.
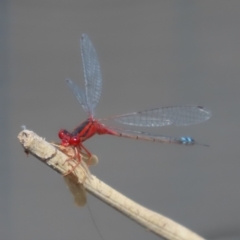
column 179, row 116
column 92, row 73
column 80, row 95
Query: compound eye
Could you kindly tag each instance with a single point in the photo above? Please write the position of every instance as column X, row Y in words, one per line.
column 74, row 141
column 61, row 134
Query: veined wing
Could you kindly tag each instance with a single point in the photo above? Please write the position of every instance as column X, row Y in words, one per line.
column 179, row 116
column 80, row 95
column 92, row 73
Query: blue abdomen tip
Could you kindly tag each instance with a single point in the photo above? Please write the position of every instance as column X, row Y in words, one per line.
column 187, row 140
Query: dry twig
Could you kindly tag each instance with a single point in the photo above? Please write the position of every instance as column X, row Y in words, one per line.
column 81, row 180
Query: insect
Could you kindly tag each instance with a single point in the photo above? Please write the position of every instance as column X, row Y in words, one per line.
column 158, row 117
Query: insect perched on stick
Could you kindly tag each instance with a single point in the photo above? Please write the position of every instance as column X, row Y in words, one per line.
column 157, row 117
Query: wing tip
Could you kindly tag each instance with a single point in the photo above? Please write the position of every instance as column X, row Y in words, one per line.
column 84, row 36
column 206, row 111
column 69, row 81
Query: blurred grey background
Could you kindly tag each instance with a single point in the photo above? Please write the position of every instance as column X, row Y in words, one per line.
column 152, row 54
